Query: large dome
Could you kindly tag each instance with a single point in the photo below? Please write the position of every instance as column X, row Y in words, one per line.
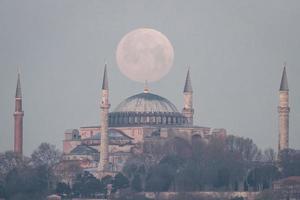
column 146, row 102
column 145, row 109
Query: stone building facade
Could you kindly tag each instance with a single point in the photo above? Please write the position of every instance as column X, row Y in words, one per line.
column 141, row 117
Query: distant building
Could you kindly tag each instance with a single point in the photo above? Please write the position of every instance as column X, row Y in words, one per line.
column 54, row 197
column 288, row 187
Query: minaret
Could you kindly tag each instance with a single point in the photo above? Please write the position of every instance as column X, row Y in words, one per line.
column 188, row 110
column 18, row 116
column 104, row 159
column 283, row 111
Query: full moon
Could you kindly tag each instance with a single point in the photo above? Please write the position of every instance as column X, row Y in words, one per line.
column 145, row 55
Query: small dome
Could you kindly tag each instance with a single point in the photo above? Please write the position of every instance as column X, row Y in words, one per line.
column 146, row 103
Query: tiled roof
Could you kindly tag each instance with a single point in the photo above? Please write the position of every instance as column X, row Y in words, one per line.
column 83, row 150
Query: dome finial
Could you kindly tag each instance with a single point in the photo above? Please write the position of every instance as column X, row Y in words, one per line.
column 146, row 88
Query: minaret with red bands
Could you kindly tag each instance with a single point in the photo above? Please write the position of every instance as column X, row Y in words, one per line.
column 18, row 115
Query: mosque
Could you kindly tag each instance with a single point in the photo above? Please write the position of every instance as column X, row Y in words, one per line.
column 137, row 119
column 123, row 131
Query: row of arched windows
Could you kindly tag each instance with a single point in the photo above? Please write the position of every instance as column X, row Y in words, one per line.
column 145, row 118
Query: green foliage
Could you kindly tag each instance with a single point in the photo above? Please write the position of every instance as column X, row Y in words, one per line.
column 87, row 185
column 159, row 178
column 26, row 181
column 290, row 162
column 9, row 161
column 262, row 177
column 63, row 189
column 2, row 191
column 136, row 183
column 107, row 180
column 120, row 182
column 220, row 163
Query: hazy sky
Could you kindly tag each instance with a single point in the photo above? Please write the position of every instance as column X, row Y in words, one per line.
column 235, row 50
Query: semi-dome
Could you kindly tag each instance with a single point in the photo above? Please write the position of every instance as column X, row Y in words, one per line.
column 145, row 109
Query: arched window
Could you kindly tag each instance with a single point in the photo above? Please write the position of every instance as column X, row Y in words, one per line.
column 158, row 119
column 164, row 121
column 130, row 120
column 152, row 119
column 174, row 120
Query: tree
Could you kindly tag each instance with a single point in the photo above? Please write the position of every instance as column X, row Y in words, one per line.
column 136, row 183
column 63, row 189
column 289, row 162
column 214, row 163
column 87, row 185
column 262, row 177
column 189, row 177
column 46, row 155
column 178, row 147
column 2, row 191
column 136, row 170
column 245, row 146
column 107, row 180
column 27, row 178
column 269, row 155
column 160, row 178
column 26, row 182
column 9, row 161
column 221, row 166
column 120, row 182
column 67, row 171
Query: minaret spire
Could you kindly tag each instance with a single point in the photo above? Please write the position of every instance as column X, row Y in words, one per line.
column 18, row 89
column 104, row 154
column 105, row 79
column 284, row 81
column 188, row 110
column 188, row 83
column 18, row 117
column 283, row 111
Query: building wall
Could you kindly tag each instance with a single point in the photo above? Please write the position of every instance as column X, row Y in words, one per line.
column 69, row 145
column 137, row 133
column 87, row 132
column 120, row 152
